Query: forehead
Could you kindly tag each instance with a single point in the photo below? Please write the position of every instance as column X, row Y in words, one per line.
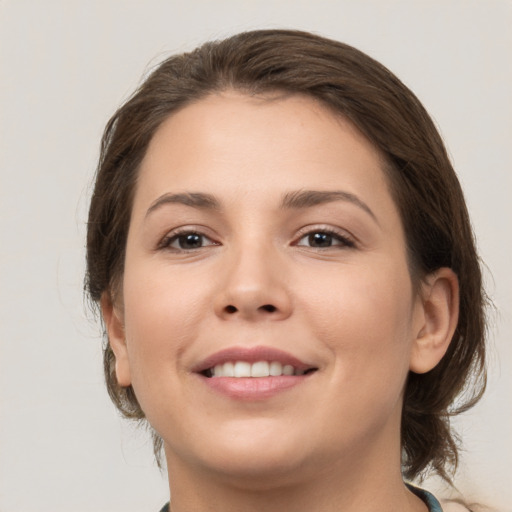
column 246, row 145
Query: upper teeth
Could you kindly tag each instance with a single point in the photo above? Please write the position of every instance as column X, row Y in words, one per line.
column 258, row 369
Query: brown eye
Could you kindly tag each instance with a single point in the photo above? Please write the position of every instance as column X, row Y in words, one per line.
column 190, row 241
column 320, row 240
column 324, row 239
column 187, row 241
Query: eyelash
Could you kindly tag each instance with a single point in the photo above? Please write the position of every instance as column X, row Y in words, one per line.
column 167, row 241
column 346, row 242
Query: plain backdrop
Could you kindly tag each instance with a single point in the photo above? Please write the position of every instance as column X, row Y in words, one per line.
column 64, row 68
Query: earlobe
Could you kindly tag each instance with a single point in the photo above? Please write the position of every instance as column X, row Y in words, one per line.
column 440, row 308
column 114, row 325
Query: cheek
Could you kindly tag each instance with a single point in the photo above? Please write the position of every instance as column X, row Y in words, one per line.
column 364, row 316
column 162, row 313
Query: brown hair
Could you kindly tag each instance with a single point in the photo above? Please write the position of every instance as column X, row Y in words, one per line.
column 422, row 181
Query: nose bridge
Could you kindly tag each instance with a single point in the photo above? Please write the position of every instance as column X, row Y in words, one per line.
column 254, row 284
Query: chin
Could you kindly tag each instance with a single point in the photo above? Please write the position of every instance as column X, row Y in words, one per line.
column 263, row 471
column 258, row 456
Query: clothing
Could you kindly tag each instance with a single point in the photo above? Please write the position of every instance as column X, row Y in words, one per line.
column 429, row 499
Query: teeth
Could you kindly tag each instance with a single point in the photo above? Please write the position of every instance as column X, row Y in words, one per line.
column 275, row 369
column 228, row 370
column 258, row 369
column 242, row 369
column 288, row 369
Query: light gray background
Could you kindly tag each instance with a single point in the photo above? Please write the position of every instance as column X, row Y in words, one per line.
column 65, row 66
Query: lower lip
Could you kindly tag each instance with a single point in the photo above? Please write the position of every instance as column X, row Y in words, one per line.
column 253, row 388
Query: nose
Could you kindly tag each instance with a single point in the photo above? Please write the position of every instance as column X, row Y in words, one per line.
column 253, row 287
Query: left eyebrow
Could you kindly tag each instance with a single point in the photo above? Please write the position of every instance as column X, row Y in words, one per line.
column 192, row 199
column 309, row 198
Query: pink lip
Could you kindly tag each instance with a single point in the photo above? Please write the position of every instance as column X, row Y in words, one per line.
column 250, row 355
column 250, row 388
column 253, row 389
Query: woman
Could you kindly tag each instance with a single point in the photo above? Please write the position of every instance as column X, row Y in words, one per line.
column 286, row 270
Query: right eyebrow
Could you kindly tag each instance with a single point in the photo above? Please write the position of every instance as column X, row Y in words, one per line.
column 193, row 199
column 310, row 198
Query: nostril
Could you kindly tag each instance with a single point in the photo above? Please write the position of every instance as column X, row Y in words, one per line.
column 269, row 308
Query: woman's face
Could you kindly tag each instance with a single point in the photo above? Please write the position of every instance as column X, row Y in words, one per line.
column 264, row 239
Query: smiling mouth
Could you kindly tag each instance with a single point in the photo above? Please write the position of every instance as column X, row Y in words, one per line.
column 258, row 369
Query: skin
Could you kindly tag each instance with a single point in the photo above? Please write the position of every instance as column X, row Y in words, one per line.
column 331, row 443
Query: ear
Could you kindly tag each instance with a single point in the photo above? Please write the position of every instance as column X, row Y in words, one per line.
column 440, row 313
column 114, row 323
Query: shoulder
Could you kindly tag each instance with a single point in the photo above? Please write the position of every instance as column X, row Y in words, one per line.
column 453, row 506
column 433, row 504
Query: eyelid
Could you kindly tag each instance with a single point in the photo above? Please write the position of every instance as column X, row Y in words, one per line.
column 172, row 235
column 344, row 236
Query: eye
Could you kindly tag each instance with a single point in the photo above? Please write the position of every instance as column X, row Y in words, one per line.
column 186, row 241
column 322, row 239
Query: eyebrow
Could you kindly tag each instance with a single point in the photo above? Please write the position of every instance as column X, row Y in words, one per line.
column 309, row 198
column 299, row 199
column 193, row 199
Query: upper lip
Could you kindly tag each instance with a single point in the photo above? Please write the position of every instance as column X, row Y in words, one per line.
column 251, row 355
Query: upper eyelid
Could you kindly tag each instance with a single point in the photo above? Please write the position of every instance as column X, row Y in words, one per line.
column 300, row 233
column 187, row 228
column 342, row 233
column 344, row 241
column 171, row 235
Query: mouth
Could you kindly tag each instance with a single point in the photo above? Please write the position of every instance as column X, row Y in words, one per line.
column 258, row 369
column 253, row 373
